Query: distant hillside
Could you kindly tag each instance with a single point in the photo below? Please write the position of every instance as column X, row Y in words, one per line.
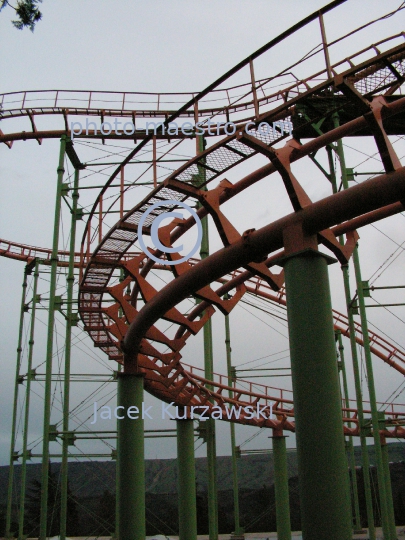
column 396, row 453
column 91, row 479
column 92, row 485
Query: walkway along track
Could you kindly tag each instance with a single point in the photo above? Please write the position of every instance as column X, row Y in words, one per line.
column 369, row 87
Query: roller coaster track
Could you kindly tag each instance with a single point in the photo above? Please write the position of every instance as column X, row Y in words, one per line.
column 361, row 89
column 230, row 102
column 367, row 89
column 381, row 347
column 25, row 253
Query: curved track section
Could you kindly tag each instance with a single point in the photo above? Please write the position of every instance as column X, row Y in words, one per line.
column 364, row 96
column 25, row 253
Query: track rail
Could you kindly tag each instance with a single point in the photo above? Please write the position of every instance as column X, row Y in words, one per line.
column 361, row 88
column 166, row 377
column 25, row 253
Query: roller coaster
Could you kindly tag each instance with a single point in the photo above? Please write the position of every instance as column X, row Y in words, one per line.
column 120, row 303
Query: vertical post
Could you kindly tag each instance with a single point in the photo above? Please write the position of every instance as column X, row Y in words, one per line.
column 154, row 161
column 252, row 78
column 238, row 529
column 68, row 344
column 382, row 482
column 353, row 348
column 325, row 46
column 186, row 480
column 388, row 487
column 49, row 346
column 117, row 479
column 211, row 442
column 324, row 486
column 131, row 457
column 27, row 404
column 122, row 192
column 385, row 511
column 100, row 219
column 359, row 401
column 352, row 462
column 119, row 369
column 209, row 374
column 281, row 487
column 14, row 420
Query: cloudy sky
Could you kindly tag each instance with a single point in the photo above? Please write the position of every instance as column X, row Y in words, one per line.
column 176, row 46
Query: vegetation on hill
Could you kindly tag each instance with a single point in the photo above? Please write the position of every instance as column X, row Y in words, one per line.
column 92, row 494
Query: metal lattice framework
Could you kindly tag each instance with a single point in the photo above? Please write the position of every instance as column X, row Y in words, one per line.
column 356, row 96
column 365, row 92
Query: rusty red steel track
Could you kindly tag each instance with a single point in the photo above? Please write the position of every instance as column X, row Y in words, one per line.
column 131, row 105
column 25, row 253
column 381, row 347
column 368, row 86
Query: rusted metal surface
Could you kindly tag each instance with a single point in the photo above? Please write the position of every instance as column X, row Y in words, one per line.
column 166, row 376
column 362, row 90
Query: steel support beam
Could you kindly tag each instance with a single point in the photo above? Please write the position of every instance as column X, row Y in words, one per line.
column 49, row 346
column 208, row 373
column 385, row 498
column 9, row 510
column 388, row 486
column 131, row 459
column 355, row 360
column 186, row 480
column 27, row 405
column 68, row 347
column 117, row 480
column 281, row 487
column 349, row 442
column 359, row 401
column 322, row 466
column 238, row 529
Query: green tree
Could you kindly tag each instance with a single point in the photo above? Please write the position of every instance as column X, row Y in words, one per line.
column 27, row 12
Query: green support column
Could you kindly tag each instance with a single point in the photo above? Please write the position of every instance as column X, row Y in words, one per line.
column 27, row 405
column 281, row 487
column 388, row 486
column 238, row 529
column 68, row 343
column 322, row 466
column 131, row 458
column 211, row 442
column 359, row 402
column 388, row 527
column 353, row 347
column 117, row 480
column 49, row 345
column 186, row 482
column 208, row 373
column 349, row 443
column 238, row 532
column 117, row 486
column 14, row 417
